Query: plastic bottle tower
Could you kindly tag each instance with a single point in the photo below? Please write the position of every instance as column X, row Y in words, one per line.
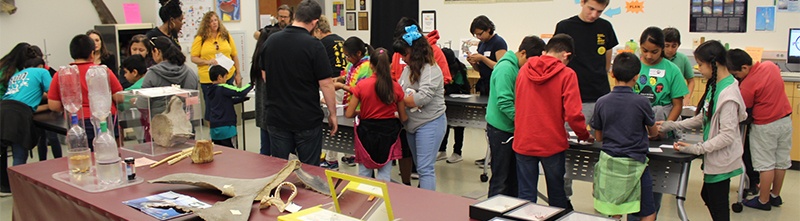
column 72, row 100
column 107, row 160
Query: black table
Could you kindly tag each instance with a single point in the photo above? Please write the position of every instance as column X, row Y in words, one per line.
column 466, row 112
column 51, row 121
column 670, row 168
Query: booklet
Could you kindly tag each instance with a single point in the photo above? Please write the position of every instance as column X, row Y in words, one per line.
column 164, row 206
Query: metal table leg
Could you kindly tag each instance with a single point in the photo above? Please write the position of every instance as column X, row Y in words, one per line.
column 682, row 186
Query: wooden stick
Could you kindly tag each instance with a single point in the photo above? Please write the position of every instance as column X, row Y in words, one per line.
column 173, row 156
column 178, row 159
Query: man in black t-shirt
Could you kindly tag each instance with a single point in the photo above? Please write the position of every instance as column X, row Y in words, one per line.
column 296, row 68
column 594, row 39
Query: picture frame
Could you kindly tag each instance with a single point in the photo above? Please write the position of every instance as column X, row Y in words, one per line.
column 350, row 5
column 228, row 11
column 363, row 21
column 428, row 21
column 350, row 21
column 363, row 5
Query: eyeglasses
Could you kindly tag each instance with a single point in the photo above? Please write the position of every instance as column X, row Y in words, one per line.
column 216, row 45
column 479, row 34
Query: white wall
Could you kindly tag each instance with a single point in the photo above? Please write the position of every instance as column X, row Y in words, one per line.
column 342, row 30
column 56, row 22
column 518, row 19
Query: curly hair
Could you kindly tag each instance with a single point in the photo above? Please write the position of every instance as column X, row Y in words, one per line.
column 205, row 28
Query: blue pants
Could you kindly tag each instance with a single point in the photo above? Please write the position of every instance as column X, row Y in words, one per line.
column 384, row 173
column 306, row 143
column 265, row 142
column 504, row 163
column 20, row 157
column 554, row 170
column 424, row 145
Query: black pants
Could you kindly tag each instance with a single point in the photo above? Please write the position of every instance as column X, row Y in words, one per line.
column 715, row 195
column 224, row 142
column 748, row 163
column 504, row 163
column 458, row 139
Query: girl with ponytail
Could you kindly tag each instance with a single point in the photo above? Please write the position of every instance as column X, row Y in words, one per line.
column 718, row 114
column 357, row 53
column 379, row 120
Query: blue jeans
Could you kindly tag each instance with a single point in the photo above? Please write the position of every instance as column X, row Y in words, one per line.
column 424, row 145
column 52, row 139
column 554, row 170
column 384, row 173
column 306, row 143
column 265, row 142
column 504, row 163
column 20, row 157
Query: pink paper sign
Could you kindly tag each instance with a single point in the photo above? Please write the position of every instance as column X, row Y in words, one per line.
column 131, row 11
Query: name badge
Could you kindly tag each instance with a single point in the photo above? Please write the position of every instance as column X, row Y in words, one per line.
column 659, row 73
column 487, row 53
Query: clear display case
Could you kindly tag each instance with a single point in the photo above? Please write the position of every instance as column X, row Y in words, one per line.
column 155, row 121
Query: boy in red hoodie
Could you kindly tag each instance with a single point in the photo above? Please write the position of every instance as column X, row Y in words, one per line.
column 547, row 95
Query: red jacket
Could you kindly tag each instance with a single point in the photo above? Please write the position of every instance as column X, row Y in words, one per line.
column 433, row 37
column 547, row 94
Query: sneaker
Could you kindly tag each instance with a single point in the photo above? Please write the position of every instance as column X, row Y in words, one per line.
column 454, row 158
column 441, row 156
column 754, row 203
column 480, row 162
column 350, row 161
column 775, row 201
column 415, row 176
column 331, row 165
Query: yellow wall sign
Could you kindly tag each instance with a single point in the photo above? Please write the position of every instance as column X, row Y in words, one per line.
column 634, row 6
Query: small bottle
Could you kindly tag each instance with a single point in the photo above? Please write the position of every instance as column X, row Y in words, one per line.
column 130, row 168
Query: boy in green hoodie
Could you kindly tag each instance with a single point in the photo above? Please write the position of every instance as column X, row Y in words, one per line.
column 500, row 115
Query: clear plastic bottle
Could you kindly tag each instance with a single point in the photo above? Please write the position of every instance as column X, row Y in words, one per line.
column 99, row 92
column 109, row 169
column 70, row 87
column 80, row 160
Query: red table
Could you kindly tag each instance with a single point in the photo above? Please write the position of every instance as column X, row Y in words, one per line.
column 37, row 196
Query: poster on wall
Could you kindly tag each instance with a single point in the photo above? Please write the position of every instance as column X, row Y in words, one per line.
column 765, row 18
column 428, row 21
column 228, row 10
column 491, row 1
column 788, row 5
column 363, row 21
column 351, row 21
column 350, row 5
column 193, row 11
column 363, row 4
column 718, row 16
column 338, row 14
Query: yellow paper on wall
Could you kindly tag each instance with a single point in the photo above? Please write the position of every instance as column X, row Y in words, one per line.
column 755, row 53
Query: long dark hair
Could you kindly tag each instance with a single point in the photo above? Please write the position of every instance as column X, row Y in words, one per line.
column 384, row 86
column 14, row 61
column 255, row 68
column 355, row 44
column 104, row 53
column 711, row 52
column 169, row 52
column 421, row 54
column 654, row 35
